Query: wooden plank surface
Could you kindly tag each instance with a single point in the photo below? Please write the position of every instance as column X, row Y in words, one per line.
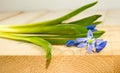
column 60, row 64
column 25, row 17
column 21, row 57
column 112, row 17
column 51, row 15
column 5, row 15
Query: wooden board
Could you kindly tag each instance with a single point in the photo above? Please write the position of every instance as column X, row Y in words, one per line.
column 6, row 15
column 60, row 64
column 112, row 18
column 24, row 17
column 21, row 57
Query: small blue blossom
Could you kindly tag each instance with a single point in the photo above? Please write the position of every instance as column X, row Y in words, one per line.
column 99, row 46
column 70, row 43
column 89, row 42
column 91, row 27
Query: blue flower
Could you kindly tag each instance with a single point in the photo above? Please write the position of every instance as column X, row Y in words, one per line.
column 99, row 45
column 91, row 27
column 70, row 43
column 89, row 41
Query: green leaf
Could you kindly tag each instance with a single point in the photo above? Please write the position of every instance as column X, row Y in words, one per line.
column 75, row 12
column 54, row 21
column 56, row 30
column 97, row 22
column 86, row 21
column 96, row 35
column 35, row 40
column 61, row 39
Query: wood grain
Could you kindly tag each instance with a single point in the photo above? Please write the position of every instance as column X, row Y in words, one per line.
column 60, row 64
column 6, row 15
column 51, row 15
column 112, row 17
column 25, row 17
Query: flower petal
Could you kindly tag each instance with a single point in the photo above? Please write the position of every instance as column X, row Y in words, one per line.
column 76, row 43
column 89, row 48
column 70, row 43
column 89, row 34
column 91, row 27
column 80, row 39
column 81, row 45
column 100, row 46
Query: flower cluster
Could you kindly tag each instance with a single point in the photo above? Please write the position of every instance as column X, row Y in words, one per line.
column 90, row 42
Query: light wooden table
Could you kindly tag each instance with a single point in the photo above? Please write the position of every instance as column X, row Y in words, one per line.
column 21, row 57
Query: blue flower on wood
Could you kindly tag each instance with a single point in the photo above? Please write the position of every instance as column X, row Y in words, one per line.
column 90, row 43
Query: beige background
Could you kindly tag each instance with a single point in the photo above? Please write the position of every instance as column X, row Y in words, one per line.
column 30, row 5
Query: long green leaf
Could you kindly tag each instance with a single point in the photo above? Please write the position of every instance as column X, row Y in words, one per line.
column 75, row 12
column 57, row 20
column 46, row 36
column 86, row 21
column 57, row 41
column 56, row 30
column 35, row 40
column 61, row 40
column 97, row 22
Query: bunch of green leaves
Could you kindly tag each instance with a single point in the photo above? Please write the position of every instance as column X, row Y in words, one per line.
column 53, row 31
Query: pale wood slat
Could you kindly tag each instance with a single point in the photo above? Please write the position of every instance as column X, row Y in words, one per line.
column 52, row 15
column 6, row 15
column 112, row 37
column 9, row 47
column 112, row 17
column 25, row 17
